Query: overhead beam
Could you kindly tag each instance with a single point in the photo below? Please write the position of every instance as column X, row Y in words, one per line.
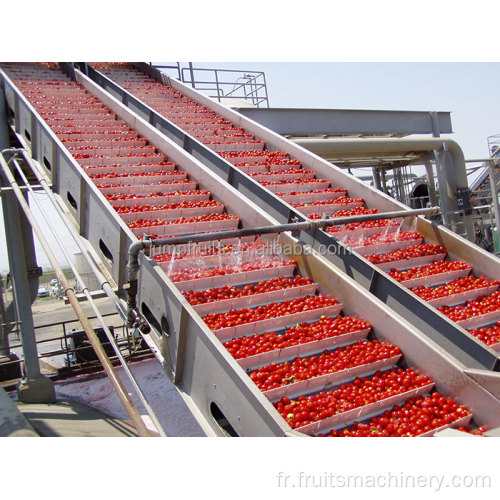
column 292, row 121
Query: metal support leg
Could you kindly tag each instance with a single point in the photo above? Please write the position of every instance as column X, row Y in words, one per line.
column 384, row 180
column 376, row 178
column 398, row 178
column 4, row 143
column 4, row 130
column 4, row 332
column 494, row 197
column 33, row 387
column 430, row 182
column 447, row 178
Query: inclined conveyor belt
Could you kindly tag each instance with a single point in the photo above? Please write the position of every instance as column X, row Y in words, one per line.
column 291, row 183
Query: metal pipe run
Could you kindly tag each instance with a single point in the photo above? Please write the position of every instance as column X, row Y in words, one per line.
column 71, row 295
column 92, row 303
column 134, row 249
column 451, row 171
column 293, row 226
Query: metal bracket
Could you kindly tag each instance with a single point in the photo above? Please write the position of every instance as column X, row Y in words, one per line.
column 464, row 200
column 34, row 272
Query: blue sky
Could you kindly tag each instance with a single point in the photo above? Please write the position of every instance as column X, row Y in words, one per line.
column 468, row 90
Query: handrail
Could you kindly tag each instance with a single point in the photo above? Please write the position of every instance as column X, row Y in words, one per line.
column 252, row 76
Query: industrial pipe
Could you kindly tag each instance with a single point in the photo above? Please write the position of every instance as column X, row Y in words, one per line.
column 293, row 226
column 450, row 179
column 134, row 249
column 336, row 149
column 70, row 293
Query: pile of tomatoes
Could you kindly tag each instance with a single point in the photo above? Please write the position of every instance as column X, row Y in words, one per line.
column 113, row 175
column 344, row 200
column 230, row 292
column 362, row 391
column 182, row 220
column 118, row 165
column 133, row 196
column 285, row 162
column 371, row 224
column 459, row 285
column 125, row 209
column 298, row 182
column 303, row 172
column 408, row 253
column 88, row 147
column 156, row 184
column 345, row 213
column 270, row 155
column 360, row 353
column 242, row 347
column 488, row 335
column 206, row 272
column 316, row 191
column 417, row 416
column 438, row 267
column 379, row 238
column 274, row 310
column 472, row 308
column 202, row 252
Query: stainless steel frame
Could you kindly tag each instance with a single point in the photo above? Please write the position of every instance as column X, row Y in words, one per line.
column 437, row 327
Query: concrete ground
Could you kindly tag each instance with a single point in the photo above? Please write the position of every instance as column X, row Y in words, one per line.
column 73, row 419
column 88, row 405
column 169, row 406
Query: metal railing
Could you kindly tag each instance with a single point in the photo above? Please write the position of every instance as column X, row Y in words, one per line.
column 227, row 83
column 494, row 144
column 166, row 68
column 125, row 341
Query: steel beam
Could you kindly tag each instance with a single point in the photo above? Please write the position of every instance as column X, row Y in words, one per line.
column 291, row 121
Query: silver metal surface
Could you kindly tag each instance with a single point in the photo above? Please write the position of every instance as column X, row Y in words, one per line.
column 298, row 122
